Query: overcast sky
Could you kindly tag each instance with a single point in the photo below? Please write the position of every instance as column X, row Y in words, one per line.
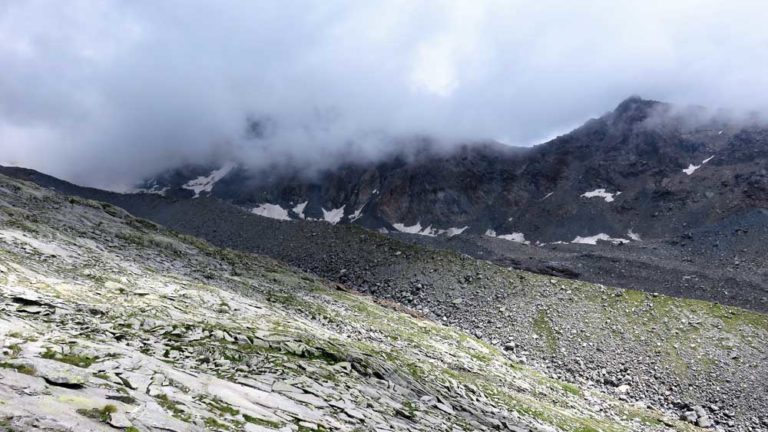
column 105, row 92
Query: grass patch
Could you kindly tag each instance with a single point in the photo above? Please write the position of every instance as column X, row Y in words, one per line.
column 223, row 407
column 212, row 423
column 262, row 422
column 78, row 360
column 20, row 368
column 572, row 389
column 103, row 414
column 543, row 328
column 167, row 404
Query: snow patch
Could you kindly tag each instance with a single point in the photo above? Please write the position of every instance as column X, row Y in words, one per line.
column 602, row 237
column 413, row 229
column 692, row 168
column 450, row 232
column 546, row 196
column 155, row 189
column 333, row 216
column 272, row 211
column 428, row 231
column 299, row 209
column 633, row 235
column 205, row 183
column 515, row 236
column 602, row 193
column 357, row 214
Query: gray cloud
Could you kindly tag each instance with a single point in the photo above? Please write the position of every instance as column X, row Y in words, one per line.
column 104, row 92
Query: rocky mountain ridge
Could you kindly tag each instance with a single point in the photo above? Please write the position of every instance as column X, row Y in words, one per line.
column 646, row 170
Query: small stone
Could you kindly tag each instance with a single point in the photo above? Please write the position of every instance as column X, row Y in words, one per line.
column 689, row 416
column 282, row 387
column 119, row 420
column 704, row 422
column 623, row 389
column 355, row 413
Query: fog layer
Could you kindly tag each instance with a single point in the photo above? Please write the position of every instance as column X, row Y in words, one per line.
column 105, row 92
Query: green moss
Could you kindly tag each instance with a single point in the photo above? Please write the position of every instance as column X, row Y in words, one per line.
column 212, row 423
column 5, row 425
column 73, row 359
column 223, row 407
column 20, row 368
column 21, row 225
column 409, row 409
column 15, row 350
column 543, row 328
column 262, row 422
column 166, row 403
column 572, row 389
column 104, row 414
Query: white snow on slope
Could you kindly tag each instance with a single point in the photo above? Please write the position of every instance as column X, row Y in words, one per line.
column 155, row 189
column 594, row 239
column 450, row 232
column 546, row 196
column 428, row 231
column 413, row 229
column 600, row 193
column 692, row 168
column 205, row 183
column 272, row 211
column 299, row 209
column 357, row 214
column 515, row 236
column 333, row 216
column 633, row 235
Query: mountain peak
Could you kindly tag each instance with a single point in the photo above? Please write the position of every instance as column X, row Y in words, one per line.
column 634, row 109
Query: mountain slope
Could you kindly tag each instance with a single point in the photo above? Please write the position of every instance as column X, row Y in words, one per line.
column 547, row 321
column 721, row 262
column 113, row 322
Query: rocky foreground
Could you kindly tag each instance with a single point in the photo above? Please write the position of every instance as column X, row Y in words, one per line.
column 111, row 322
column 678, row 355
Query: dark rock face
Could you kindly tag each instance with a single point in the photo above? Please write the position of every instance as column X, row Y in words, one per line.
column 644, row 164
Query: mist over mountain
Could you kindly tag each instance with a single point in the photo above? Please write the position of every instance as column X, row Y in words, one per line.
column 105, row 94
column 384, row 215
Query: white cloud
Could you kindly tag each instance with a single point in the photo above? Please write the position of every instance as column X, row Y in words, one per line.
column 107, row 91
